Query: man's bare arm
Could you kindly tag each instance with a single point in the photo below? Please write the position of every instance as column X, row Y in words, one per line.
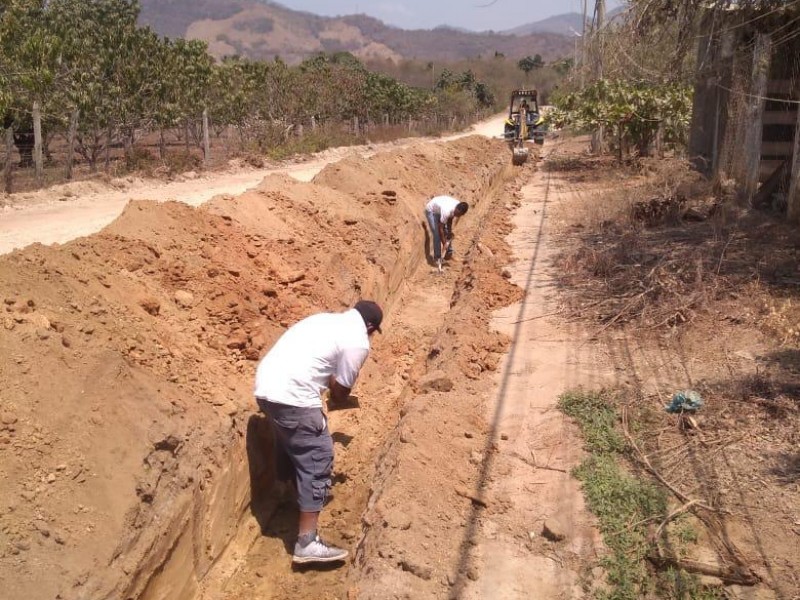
column 339, row 393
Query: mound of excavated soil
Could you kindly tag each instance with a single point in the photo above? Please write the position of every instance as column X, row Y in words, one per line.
column 128, row 356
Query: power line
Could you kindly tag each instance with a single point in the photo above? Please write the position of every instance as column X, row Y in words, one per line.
column 756, row 96
column 775, row 10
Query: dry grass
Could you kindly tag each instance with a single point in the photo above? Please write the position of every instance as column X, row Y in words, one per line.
column 738, row 458
column 733, row 276
column 663, row 249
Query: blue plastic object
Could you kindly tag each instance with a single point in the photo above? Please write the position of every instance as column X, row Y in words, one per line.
column 684, row 401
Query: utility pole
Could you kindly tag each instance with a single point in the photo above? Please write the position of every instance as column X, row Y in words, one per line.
column 575, row 54
column 599, row 34
column 583, row 45
column 585, row 6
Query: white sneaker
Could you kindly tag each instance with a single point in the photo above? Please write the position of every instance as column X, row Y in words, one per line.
column 317, row 551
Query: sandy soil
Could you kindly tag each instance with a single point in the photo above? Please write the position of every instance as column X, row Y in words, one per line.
column 130, row 443
column 64, row 212
column 136, row 465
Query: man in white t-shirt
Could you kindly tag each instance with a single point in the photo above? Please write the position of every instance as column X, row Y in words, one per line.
column 321, row 352
column 442, row 213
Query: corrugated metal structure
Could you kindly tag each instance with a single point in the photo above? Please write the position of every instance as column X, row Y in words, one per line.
column 746, row 122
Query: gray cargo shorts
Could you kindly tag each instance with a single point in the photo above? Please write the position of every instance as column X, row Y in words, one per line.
column 304, row 448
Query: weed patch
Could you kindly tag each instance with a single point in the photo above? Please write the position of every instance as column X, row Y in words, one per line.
column 596, row 417
column 626, row 506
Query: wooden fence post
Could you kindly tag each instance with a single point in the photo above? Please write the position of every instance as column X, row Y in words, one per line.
column 762, row 59
column 660, row 140
column 73, row 132
column 127, row 142
column 109, row 136
column 793, row 197
column 206, row 140
column 9, row 166
column 37, row 143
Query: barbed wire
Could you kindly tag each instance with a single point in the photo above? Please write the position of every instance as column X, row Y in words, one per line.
column 775, row 10
column 777, row 42
column 756, row 96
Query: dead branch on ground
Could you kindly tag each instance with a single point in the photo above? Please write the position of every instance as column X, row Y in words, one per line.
column 645, row 462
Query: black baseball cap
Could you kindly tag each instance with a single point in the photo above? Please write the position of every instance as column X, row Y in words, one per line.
column 371, row 313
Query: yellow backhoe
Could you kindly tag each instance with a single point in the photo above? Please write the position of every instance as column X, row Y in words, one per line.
column 524, row 123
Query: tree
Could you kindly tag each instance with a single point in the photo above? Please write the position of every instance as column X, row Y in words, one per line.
column 632, row 110
column 88, row 65
column 484, row 95
column 564, row 66
column 529, row 63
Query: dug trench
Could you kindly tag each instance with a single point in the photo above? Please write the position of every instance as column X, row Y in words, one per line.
column 134, row 462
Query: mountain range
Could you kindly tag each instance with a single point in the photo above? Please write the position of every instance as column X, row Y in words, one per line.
column 263, row 29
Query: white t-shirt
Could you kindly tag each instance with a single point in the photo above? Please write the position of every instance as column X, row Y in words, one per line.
column 298, row 367
column 444, row 206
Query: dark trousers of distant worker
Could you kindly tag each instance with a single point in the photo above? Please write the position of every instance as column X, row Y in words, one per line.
column 433, row 222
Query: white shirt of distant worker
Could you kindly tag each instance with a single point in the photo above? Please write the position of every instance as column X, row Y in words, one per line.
column 442, row 214
column 322, row 352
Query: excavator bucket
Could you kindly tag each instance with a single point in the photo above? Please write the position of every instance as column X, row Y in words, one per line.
column 519, row 156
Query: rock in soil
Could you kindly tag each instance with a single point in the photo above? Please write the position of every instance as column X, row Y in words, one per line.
column 554, row 530
column 421, row 571
column 436, row 381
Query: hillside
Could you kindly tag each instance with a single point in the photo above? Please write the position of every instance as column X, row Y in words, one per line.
column 567, row 24
column 265, row 30
column 560, row 24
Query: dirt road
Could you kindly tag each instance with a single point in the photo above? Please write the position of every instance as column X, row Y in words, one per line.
column 532, row 472
column 462, row 499
column 64, row 212
column 443, row 478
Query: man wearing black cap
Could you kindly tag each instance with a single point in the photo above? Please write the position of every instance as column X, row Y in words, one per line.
column 323, row 351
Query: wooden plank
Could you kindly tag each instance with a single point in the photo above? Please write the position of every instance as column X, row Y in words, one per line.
column 777, row 148
column 793, row 197
column 771, row 183
column 769, row 166
column 780, row 86
column 705, row 104
column 725, row 69
column 780, row 117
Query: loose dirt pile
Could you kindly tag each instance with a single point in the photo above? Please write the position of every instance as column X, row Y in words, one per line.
column 128, row 437
column 419, row 526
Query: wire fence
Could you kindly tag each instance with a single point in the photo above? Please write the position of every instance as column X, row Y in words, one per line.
column 197, row 144
column 758, row 95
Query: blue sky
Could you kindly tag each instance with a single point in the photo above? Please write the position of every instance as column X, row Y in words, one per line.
column 426, row 14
